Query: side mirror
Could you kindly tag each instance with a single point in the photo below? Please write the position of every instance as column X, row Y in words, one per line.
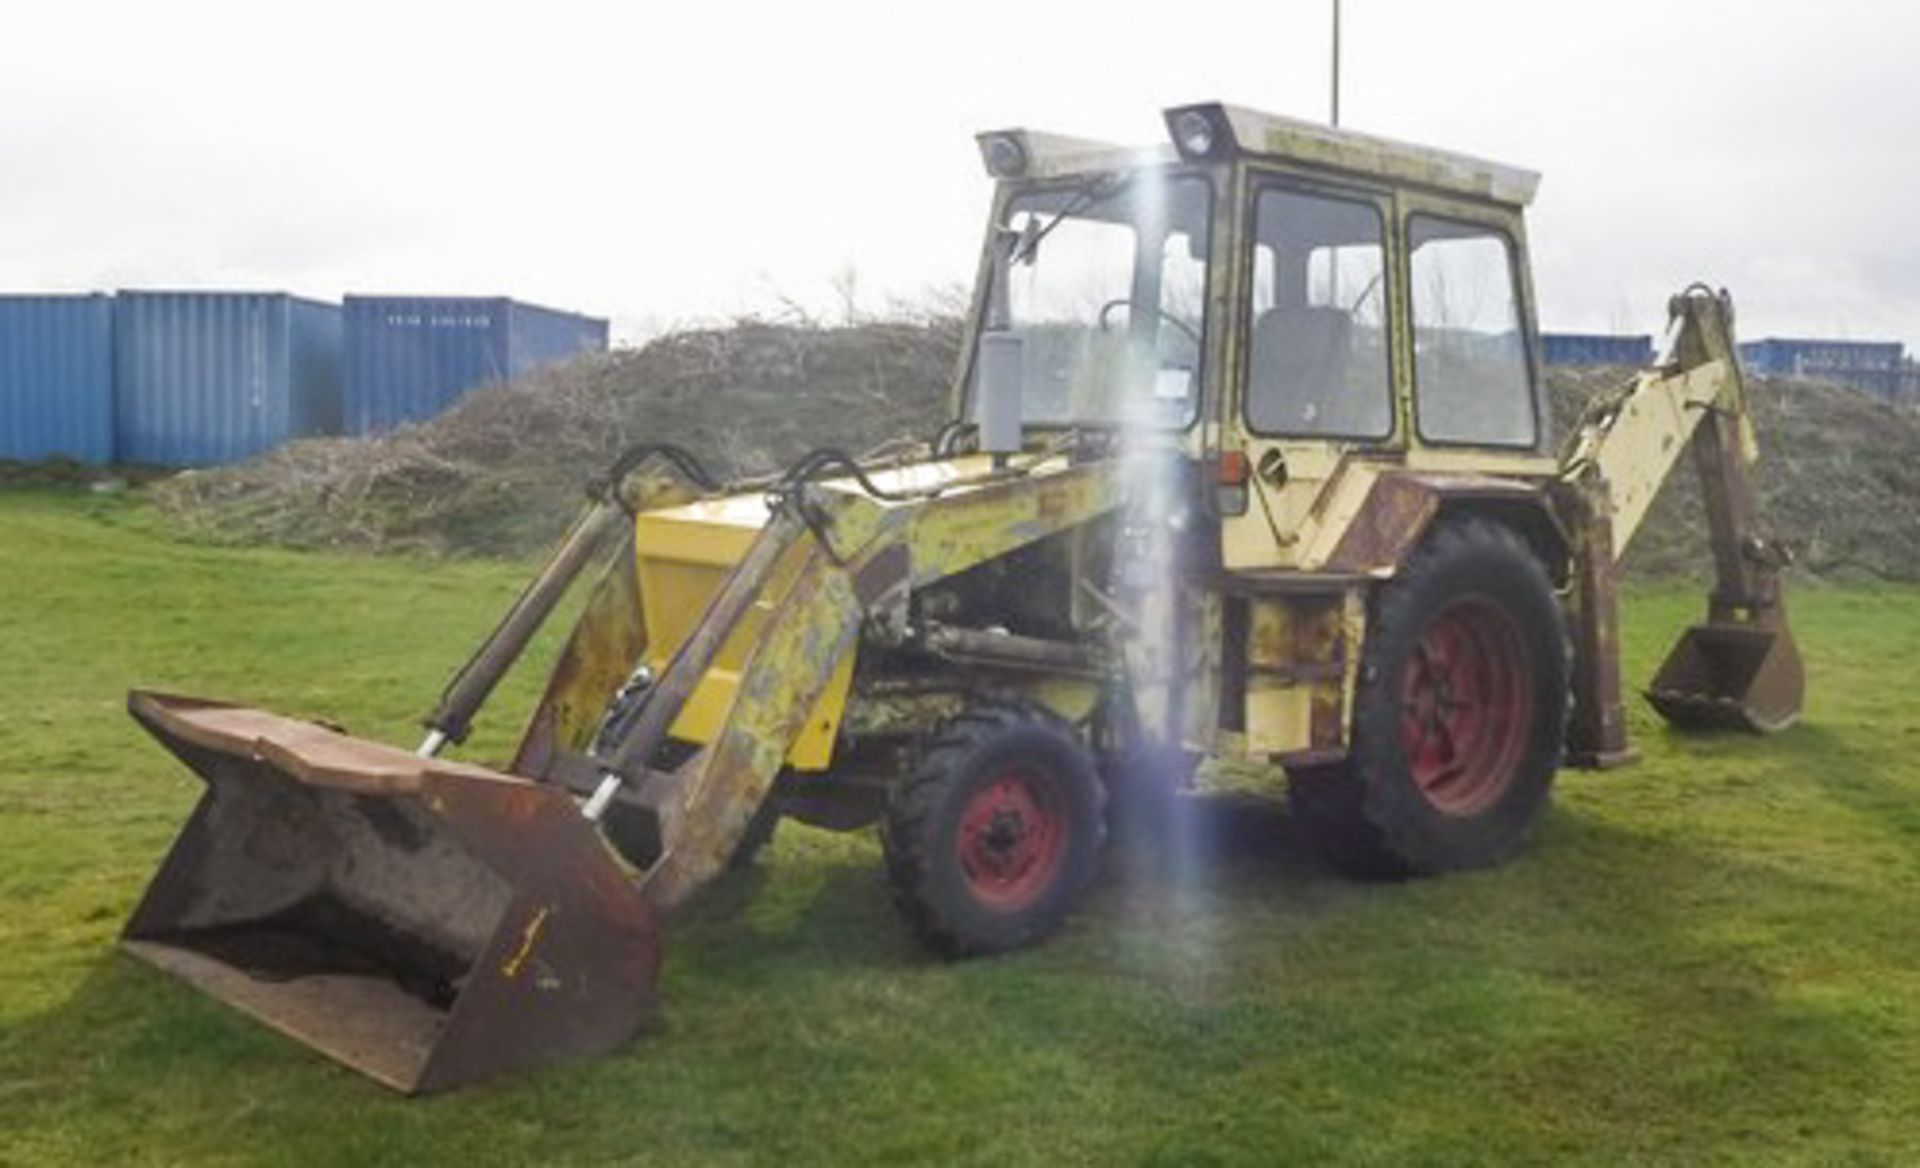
column 999, row 391
column 1023, row 242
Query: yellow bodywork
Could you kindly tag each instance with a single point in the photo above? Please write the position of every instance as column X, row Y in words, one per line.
column 683, row 555
column 1654, row 422
column 1299, row 657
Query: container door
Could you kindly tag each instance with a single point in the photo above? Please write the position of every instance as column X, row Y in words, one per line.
column 261, row 428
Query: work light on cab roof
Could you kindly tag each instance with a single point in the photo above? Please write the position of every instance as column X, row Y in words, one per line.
column 1197, row 131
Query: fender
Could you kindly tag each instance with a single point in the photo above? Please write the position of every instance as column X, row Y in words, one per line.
column 1402, row 505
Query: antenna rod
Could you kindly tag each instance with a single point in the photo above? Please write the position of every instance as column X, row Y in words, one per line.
column 1336, row 62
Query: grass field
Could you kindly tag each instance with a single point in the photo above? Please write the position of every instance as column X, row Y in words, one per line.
column 1711, row 958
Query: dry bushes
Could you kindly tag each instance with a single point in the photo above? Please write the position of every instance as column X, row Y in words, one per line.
column 500, row 472
column 1839, row 480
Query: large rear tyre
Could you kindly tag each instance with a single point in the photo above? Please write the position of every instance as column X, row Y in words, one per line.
column 991, row 838
column 1460, row 717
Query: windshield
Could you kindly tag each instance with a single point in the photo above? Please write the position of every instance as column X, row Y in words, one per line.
column 1104, row 285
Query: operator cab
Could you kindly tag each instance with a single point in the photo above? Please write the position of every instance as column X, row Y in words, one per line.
column 1296, row 305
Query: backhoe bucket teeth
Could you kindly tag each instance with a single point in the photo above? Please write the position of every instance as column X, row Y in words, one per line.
column 427, row 923
column 1731, row 677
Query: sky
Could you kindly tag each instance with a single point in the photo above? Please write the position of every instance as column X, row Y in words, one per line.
column 664, row 165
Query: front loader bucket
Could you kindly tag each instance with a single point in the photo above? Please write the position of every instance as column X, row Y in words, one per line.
column 1731, row 677
column 427, row 923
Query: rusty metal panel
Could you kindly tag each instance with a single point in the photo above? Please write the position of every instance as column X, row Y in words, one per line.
column 953, row 533
column 426, row 923
column 1200, row 693
column 675, row 596
column 1396, row 512
column 1299, row 655
column 1597, row 726
column 1729, row 676
column 606, row 643
column 788, row 671
column 1400, row 507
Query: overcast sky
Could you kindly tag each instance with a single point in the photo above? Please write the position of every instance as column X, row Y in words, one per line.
column 665, row 163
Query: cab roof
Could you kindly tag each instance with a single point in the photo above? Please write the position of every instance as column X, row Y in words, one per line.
column 1249, row 132
column 1406, row 162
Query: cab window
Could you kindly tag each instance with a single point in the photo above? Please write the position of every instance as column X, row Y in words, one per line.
column 1317, row 364
column 1105, row 285
column 1472, row 383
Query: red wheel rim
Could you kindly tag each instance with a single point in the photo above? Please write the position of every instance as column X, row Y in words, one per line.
column 1013, row 834
column 1466, row 700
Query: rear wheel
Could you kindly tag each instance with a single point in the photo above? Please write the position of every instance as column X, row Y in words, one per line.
column 991, row 838
column 1459, row 718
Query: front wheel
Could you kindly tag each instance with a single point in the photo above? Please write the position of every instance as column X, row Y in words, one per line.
column 1460, row 714
column 990, row 839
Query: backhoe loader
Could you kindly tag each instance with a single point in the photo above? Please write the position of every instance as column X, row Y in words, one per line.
column 1249, row 460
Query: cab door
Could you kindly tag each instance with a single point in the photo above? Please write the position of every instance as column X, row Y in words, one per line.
column 1315, row 370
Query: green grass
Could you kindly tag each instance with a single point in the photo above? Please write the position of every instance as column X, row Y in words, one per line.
column 1711, row 958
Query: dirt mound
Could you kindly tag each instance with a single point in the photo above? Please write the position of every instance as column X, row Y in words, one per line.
column 501, row 471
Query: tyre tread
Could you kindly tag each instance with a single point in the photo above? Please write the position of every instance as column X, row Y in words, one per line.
column 911, row 828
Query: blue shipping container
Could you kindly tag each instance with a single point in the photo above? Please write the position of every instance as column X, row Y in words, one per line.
column 1877, row 367
column 209, row 377
column 56, row 377
column 1787, row 356
column 1597, row 349
column 409, row 357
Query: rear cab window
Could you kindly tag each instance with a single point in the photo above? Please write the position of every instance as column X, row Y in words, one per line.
column 1473, row 383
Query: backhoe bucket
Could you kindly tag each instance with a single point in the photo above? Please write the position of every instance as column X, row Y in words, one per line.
column 427, row 923
column 1731, row 677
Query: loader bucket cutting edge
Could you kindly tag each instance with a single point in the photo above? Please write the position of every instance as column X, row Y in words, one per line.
column 426, row 923
column 1731, row 677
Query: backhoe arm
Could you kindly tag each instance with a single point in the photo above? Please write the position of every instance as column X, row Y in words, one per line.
column 1740, row 668
column 1631, row 441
